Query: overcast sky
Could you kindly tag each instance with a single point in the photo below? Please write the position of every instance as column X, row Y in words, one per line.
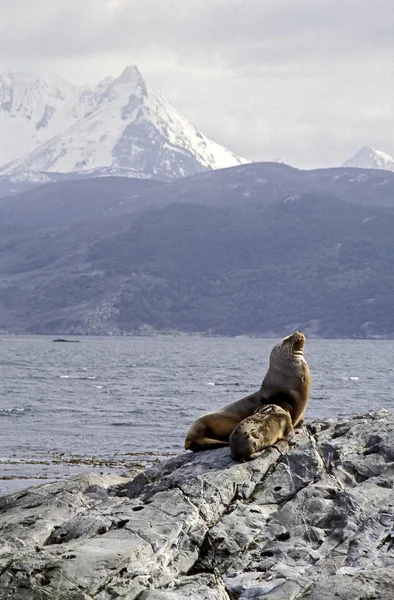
column 308, row 80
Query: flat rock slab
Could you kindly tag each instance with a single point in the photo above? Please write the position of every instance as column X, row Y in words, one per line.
column 314, row 520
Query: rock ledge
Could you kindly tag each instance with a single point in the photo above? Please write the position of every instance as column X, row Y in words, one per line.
column 315, row 521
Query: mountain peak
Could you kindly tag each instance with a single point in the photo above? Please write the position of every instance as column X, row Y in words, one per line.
column 130, row 74
column 119, row 124
column 132, row 80
column 370, row 158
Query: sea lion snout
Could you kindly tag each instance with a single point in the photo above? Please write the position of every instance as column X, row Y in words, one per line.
column 297, row 336
column 297, row 341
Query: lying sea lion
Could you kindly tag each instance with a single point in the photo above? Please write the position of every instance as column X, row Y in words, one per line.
column 286, row 384
column 268, row 425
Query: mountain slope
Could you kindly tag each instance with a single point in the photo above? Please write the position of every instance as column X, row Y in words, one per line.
column 246, row 187
column 16, row 184
column 261, row 248
column 369, row 158
column 34, row 109
column 121, row 125
column 71, row 202
column 309, row 261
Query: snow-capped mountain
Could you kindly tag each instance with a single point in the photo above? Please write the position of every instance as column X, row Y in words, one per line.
column 119, row 126
column 34, row 109
column 369, row 158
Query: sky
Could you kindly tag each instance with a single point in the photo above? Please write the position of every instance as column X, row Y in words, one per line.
column 310, row 81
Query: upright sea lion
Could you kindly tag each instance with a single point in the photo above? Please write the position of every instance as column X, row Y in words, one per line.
column 286, row 384
column 269, row 424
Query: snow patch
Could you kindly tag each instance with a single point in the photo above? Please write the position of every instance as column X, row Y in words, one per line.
column 370, row 158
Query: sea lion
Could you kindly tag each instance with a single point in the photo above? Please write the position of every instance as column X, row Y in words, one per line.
column 268, row 425
column 286, row 384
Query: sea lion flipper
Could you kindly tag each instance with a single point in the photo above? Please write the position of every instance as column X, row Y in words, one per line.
column 210, row 431
column 205, row 444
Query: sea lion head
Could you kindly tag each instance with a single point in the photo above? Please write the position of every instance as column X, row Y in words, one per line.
column 289, row 347
column 287, row 382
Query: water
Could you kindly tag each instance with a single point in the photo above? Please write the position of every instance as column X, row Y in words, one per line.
column 108, row 403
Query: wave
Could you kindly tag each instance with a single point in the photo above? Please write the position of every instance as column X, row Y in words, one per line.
column 16, row 410
column 79, row 377
column 226, row 383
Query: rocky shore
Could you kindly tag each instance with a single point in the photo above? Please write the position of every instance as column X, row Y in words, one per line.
column 314, row 520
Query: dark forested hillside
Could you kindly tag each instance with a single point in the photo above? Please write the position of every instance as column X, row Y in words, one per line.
column 72, row 201
column 308, row 260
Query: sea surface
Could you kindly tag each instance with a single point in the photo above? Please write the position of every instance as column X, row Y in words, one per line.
column 108, row 403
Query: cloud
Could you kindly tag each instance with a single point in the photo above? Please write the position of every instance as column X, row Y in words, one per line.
column 240, row 32
column 311, row 80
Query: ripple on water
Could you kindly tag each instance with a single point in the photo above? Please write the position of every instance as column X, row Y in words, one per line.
column 15, row 411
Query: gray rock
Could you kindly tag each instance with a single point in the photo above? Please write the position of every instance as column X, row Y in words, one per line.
column 314, row 520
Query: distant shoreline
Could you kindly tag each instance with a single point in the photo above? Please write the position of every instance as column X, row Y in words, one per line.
column 184, row 334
